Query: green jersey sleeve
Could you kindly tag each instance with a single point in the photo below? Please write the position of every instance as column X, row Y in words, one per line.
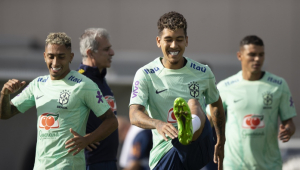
column 211, row 93
column 286, row 106
column 95, row 100
column 140, row 89
column 25, row 100
column 222, row 95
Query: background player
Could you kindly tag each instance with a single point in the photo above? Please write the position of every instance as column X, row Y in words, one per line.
column 97, row 53
column 136, row 149
column 63, row 100
column 253, row 100
column 159, row 83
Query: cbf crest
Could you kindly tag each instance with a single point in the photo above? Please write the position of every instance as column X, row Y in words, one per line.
column 268, row 100
column 64, row 97
column 194, row 89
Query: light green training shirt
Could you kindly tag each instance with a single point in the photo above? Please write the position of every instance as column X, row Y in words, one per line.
column 156, row 88
column 61, row 105
column 252, row 109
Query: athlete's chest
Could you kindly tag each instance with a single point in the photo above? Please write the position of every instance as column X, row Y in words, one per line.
column 56, row 97
column 171, row 87
column 258, row 98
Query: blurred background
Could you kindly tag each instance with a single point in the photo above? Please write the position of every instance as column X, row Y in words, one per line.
column 214, row 29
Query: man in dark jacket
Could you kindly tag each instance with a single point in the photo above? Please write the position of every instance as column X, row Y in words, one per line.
column 97, row 53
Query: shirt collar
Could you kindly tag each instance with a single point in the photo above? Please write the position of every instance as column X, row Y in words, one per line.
column 93, row 70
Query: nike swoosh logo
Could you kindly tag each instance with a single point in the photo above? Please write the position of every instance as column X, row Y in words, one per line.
column 160, row 91
column 39, row 97
column 235, row 101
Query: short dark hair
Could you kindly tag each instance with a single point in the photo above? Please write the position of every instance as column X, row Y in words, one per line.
column 252, row 39
column 173, row 21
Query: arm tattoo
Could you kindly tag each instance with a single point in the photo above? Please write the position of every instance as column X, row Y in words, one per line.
column 219, row 122
column 140, row 118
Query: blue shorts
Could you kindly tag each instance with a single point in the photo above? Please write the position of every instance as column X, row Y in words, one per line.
column 110, row 165
column 189, row 157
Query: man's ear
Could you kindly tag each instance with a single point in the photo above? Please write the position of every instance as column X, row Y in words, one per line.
column 158, row 41
column 72, row 56
column 187, row 41
column 45, row 57
column 239, row 55
column 89, row 53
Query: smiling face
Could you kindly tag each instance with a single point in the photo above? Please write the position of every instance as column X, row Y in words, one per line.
column 57, row 58
column 252, row 58
column 172, row 44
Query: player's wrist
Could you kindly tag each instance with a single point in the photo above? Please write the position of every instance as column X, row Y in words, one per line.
column 221, row 140
column 4, row 94
column 157, row 123
column 89, row 138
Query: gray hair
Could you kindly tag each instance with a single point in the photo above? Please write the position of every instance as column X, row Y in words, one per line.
column 88, row 40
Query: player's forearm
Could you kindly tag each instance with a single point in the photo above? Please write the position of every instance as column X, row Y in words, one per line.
column 219, row 124
column 210, row 120
column 108, row 126
column 5, row 107
column 140, row 119
column 219, row 120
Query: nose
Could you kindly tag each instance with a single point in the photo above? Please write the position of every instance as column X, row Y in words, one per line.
column 173, row 44
column 257, row 58
column 54, row 62
column 111, row 52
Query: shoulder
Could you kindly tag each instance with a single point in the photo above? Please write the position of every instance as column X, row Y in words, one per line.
column 274, row 79
column 150, row 69
column 154, row 66
column 41, row 79
column 79, row 79
column 230, row 81
column 197, row 67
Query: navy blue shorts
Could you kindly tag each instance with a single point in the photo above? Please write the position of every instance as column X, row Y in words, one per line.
column 110, row 165
column 189, row 157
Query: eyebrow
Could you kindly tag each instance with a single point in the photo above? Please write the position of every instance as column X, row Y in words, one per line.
column 172, row 37
column 56, row 54
column 109, row 46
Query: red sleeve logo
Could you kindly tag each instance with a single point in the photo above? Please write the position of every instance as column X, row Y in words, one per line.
column 111, row 101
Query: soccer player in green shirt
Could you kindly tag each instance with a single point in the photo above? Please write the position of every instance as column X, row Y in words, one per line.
column 155, row 88
column 63, row 100
column 253, row 100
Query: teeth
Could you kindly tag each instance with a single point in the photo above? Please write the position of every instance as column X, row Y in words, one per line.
column 174, row 53
column 55, row 69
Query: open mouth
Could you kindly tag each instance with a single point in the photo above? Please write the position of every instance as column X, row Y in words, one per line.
column 55, row 69
column 173, row 52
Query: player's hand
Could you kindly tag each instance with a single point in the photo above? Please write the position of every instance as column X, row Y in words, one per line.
column 12, row 86
column 284, row 133
column 219, row 155
column 92, row 146
column 77, row 143
column 168, row 129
